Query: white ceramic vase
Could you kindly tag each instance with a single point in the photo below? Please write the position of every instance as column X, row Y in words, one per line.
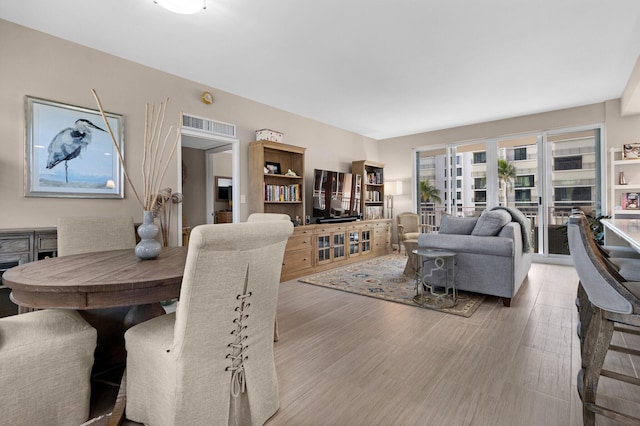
column 148, row 247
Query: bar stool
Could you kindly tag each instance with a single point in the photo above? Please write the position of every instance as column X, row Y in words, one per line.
column 605, row 301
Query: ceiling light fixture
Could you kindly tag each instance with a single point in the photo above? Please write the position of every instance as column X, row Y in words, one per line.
column 184, row 7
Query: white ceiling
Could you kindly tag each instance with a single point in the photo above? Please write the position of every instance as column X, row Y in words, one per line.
column 380, row 68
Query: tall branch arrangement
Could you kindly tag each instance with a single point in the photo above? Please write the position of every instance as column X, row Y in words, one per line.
column 155, row 159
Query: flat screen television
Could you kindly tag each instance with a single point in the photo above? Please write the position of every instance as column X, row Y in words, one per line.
column 224, row 193
column 336, row 194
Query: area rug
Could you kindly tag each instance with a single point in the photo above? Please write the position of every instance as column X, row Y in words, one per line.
column 383, row 278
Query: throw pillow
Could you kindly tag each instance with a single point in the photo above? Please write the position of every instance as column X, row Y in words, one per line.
column 457, row 225
column 491, row 222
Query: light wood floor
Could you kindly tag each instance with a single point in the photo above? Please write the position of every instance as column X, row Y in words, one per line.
column 345, row 359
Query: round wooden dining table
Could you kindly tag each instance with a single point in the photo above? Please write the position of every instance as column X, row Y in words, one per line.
column 97, row 280
column 90, row 283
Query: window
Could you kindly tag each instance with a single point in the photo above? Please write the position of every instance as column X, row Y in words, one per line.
column 526, row 181
column 579, row 193
column 458, row 195
column 523, row 195
column 520, row 154
column 480, row 183
column 459, row 171
column 567, row 163
column 481, row 196
column 479, row 157
column 458, row 184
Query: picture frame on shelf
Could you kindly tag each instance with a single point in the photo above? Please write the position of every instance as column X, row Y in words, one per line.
column 631, row 151
column 273, row 168
column 630, row 201
column 69, row 152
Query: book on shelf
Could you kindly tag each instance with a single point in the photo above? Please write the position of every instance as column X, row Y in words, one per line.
column 282, row 193
column 630, row 201
column 374, row 177
column 374, row 212
column 373, row 196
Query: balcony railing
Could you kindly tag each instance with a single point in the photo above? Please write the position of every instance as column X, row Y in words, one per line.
column 557, row 218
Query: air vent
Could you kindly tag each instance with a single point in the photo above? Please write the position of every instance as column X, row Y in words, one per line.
column 208, row 126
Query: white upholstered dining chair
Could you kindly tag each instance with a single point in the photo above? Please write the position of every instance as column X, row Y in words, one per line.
column 267, row 217
column 87, row 234
column 45, row 366
column 211, row 362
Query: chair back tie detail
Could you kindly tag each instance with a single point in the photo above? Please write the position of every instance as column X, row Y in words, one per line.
column 238, row 347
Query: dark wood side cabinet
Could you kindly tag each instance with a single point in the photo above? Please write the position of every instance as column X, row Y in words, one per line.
column 18, row 246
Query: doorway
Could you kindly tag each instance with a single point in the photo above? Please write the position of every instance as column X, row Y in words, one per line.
column 204, row 157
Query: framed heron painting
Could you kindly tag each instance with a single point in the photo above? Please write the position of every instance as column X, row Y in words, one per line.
column 69, row 152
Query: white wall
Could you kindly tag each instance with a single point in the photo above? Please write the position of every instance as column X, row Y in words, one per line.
column 43, row 66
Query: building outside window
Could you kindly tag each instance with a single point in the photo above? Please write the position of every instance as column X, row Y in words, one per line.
column 573, row 194
column 520, row 153
column 567, row 163
column 523, row 195
column 526, row 181
column 479, row 157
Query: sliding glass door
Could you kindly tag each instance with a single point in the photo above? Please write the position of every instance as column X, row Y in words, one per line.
column 543, row 175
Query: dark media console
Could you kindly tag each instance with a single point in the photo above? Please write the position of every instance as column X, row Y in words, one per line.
column 339, row 219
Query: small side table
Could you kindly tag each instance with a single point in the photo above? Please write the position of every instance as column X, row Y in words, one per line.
column 432, row 265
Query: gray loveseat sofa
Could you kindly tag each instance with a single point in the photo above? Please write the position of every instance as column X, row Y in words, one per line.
column 493, row 251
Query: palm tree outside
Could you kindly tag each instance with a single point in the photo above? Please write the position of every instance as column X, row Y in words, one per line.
column 506, row 176
column 429, row 193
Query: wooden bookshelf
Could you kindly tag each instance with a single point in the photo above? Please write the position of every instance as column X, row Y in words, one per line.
column 276, row 192
column 372, row 197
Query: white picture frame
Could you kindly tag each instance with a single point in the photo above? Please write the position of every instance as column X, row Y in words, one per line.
column 69, row 152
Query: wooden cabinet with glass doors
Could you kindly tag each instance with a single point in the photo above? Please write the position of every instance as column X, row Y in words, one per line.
column 331, row 243
column 359, row 237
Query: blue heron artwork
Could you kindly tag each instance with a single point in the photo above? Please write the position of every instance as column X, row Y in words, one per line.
column 69, row 143
column 70, row 152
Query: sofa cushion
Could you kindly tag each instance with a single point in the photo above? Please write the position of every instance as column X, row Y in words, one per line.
column 457, row 225
column 491, row 222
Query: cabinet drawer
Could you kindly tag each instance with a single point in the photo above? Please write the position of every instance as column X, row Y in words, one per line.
column 14, row 245
column 47, row 243
column 295, row 260
column 325, row 229
column 298, row 242
column 380, row 231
